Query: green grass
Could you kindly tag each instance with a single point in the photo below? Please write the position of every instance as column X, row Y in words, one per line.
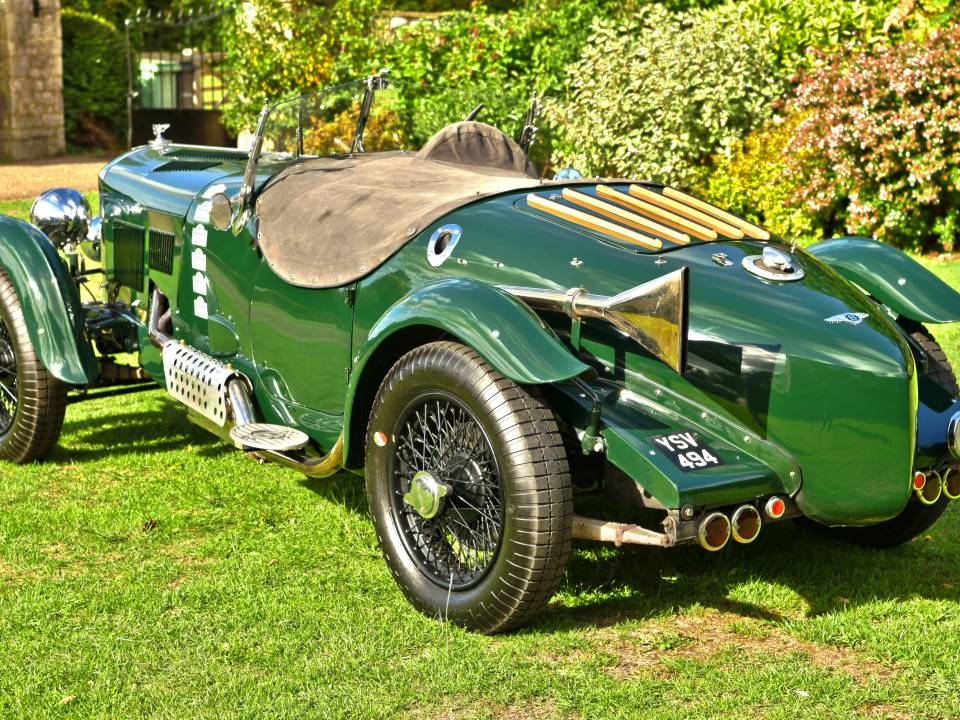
column 148, row 570
column 947, row 335
column 21, row 208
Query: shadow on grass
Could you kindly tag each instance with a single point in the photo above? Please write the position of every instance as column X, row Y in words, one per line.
column 159, row 429
column 608, row 585
column 344, row 488
column 829, row 575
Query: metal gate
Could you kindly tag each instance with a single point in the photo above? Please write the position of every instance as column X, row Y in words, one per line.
column 176, row 66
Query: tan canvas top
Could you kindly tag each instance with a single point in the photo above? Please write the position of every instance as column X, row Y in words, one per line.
column 329, row 221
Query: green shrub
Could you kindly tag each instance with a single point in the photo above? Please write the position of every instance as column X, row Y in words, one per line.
column 760, row 183
column 278, row 49
column 482, row 57
column 659, row 95
column 879, row 145
column 94, row 80
column 493, row 59
column 798, row 25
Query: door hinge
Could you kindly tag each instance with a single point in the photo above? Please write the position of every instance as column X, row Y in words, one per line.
column 350, row 296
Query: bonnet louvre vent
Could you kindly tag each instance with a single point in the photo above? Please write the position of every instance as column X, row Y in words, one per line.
column 161, row 251
column 185, row 166
column 128, row 254
column 217, row 156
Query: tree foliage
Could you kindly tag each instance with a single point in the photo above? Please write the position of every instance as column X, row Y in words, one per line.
column 879, row 146
column 658, row 95
column 94, row 79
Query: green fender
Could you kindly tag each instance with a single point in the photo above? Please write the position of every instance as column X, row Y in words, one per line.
column 50, row 301
column 504, row 331
column 896, row 280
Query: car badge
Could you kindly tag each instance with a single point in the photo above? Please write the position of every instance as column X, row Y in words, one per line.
column 851, row 318
column 158, row 130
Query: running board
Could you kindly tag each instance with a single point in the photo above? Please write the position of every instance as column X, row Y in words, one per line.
column 220, row 399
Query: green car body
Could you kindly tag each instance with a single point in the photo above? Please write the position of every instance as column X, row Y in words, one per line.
column 830, row 414
column 834, row 416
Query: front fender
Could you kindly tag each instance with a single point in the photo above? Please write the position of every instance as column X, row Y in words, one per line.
column 895, row 279
column 50, row 302
column 505, row 332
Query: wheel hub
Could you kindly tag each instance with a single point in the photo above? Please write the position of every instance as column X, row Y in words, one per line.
column 426, row 494
column 6, row 353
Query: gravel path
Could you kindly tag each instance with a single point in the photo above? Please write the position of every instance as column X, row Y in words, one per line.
column 27, row 180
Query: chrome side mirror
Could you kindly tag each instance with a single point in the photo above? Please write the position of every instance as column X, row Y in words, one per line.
column 221, row 211
column 63, row 215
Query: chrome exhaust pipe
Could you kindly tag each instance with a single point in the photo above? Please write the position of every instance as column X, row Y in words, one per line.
column 714, row 531
column 951, row 483
column 929, row 492
column 157, row 337
column 745, row 524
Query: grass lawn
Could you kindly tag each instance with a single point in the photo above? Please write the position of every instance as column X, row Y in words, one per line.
column 21, row 208
column 148, row 570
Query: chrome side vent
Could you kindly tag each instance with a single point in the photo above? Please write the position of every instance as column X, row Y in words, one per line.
column 161, row 250
column 128, row 241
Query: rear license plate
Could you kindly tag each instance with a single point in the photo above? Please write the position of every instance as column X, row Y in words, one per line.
column 686, row 451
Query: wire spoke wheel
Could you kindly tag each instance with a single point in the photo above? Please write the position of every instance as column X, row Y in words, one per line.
column 9, row 385
column 446, row 492
column 32, row 401
column 469, row 488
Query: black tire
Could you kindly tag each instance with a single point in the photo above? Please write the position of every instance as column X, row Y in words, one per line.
column 916, row 518
column 32, row 401
column 496, row 550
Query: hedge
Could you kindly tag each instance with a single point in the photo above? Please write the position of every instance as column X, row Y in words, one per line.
column 94, row 80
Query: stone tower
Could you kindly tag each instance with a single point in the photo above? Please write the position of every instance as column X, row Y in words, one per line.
column 31, row 79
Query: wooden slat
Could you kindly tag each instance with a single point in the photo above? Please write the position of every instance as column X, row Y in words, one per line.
column 592, row 222
column 624, row 216
column 683, row 209
column 658, row 213
column 751, row 230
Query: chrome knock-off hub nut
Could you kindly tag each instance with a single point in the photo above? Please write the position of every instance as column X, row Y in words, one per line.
column 426, row 494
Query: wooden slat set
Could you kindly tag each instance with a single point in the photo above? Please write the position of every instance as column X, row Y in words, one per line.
column 646, row 217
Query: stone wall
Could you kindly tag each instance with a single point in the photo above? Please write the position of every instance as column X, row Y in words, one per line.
column 31, row 79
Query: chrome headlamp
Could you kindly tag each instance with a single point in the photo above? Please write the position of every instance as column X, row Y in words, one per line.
column 63, row 215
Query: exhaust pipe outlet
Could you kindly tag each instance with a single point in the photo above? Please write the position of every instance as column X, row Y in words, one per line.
column 932, row 487
column 745, row 524
column 714, row 531
column 951, row 483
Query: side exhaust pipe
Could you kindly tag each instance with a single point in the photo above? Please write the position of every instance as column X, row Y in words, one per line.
column 745, row 524
column 951, row 483
column 714, row 531
column 929, row 491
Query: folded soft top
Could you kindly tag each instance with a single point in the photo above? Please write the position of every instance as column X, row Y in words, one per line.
column 329, row 221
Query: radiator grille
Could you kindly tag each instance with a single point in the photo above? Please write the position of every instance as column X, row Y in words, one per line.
column 128, row 254
column 161, row 251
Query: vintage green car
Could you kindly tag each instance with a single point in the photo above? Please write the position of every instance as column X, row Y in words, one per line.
column 489, row 348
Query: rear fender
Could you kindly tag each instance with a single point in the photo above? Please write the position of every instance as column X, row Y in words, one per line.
column 629, row 421
column 893, row 278
column 50, row 301
column 506, row 333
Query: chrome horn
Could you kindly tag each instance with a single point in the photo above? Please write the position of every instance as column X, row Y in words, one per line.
column 654, row 314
